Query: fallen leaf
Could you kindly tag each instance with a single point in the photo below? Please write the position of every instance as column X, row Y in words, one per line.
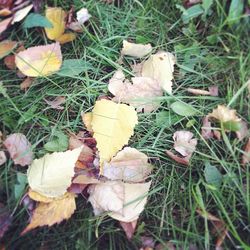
column 4, row 24
column 160, row 67
column 224, row 114
column 3, row 158
column 66, row 37
column 129, row 228
column 39, row 197
column 141, row 94
column 51, row 175
column 135, row 50
column 206, row 130
column 5, row 220
column 48, row 214
column 87, row 119
column 246, row 155
column 181, row 160
column 113, row 124
column 21, row 14
column 123, row 201
column 82, row 16
column 183, row 143
column 56, row 103
column 26, row 83
column 5, row 12
column 129, row 165
column 40, row 60
column 85, row 179
column 243, row 132
column 9, row 62
column 56, row 17
column 76, row 188
column 212, row 91
column 7, row 47
column 36, row 20
column 6, row 3
column 58, row 142
column 19, row 149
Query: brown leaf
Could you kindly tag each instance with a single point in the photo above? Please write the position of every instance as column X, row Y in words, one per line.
column 206, row 130
column 3, row 158
column 19, row 148
column 181, row 160
column 26, row 83
column 141, row 94
column 48, row 214
column 129, row 228
column 246, row 155
column 85, row 179
column 56, row 103
column 6, row 3
column 76, row 188
column 9, row 62
column 212, row 91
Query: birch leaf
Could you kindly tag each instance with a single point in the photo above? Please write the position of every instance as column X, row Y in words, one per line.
column 160, row 67
column 51, row 175
column 40, row 60
column 113, row 124
column 48, row 214
column 128, row 165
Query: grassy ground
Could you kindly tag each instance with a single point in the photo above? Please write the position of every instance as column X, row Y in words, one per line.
column 177, row 191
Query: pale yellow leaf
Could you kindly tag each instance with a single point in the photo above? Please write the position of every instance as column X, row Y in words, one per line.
column 48, row 214
column 6, row 47
column 51, row 175
column 21, row 14
column 122, row 201
column 66, row 37
column 135, row 50
column 141, row 94
column 129, row 165
column 39, row 197
column 113, row 124
column 40, row 60
column 160, row 67
column 87, row 119
column 57, row 17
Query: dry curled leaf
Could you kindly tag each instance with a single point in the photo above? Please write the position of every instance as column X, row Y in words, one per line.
column 26, row 83
column 3, row 158
column 19, row 149
column 135, row 50
column 51, row 175
column 40, row 60
column 178, row 159
column 141, row 94
column 212, row 91
column 246, row 155
column 129, row 228
column 122, row 201
column 113, row 125
column 224, row 114
column 6, row 47
column 129, row 165
column 56, row 103
column 50, row 213
column 160, row 67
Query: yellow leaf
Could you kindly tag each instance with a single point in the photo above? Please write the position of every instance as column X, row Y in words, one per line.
column 51, row 175
column 160, row 67
column 113, row 124
column 135, row 50
column 57, row 17
column 6, row 47
column 65, row 38
column 38, row 197
column 40, row 60
column 87, row 119
column 48, row 214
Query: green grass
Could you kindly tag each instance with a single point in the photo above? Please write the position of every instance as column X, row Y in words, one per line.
column 177, row 191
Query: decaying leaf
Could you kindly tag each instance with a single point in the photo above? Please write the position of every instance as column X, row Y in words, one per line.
column 56, row 16
column 40, row 60
column 26, row 83
column 21, row 14
column 243, row 132
column 9, row 62
column 206, row 130
column 141, row 94
column 212, row 91
column 56, row 103
column 129, row 165
column 19, row 149
column 6, row 47
column 48, row 214
column 178, row 159
column 122, row 201
column 113, row 124
column 87, row 119
column 129, row 228
column 224, row 114
column 160, row 67
column 135, row 50
column 51, row 175
column 3, row 158
column 246, row 155
column 183, row 143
